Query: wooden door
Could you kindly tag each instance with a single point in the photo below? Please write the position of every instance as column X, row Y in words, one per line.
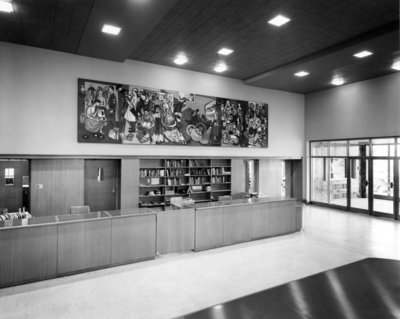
column 57, row 184
column 102, row 184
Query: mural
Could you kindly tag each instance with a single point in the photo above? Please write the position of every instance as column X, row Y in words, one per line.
column 130, row 114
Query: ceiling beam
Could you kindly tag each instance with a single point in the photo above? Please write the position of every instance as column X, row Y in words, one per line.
column 375, row 33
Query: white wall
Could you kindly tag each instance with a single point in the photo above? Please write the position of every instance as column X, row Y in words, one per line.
column 363, row 109
column 38, row 104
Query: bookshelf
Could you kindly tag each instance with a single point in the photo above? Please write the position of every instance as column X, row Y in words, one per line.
column 202, row 180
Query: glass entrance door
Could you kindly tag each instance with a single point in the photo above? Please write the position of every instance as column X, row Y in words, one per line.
column 359, row 181
column 338, row 182
column 383, row 187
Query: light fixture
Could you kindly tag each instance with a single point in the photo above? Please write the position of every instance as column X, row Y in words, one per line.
column 111, row 29
column 396, row 66
column 279, row 20
column 301, row 73
column 337, row 81
column 225, row 51
column 220, row 67
column 6, row 6
column 180, row 59
column 362, row 54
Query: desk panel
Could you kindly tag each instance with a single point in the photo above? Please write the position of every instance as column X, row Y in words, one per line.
column 27, row 253
column 275, row 218
column 237, row 224
column 175, row 231
column 84, row 245
column 133, row 238
column 209, row 228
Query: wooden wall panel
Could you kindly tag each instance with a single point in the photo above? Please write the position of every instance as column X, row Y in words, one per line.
column 129, row 183
column 11, row 195
column 209, row 228
column 27, row 254
column 133, row 238
column 84, row 245
column 63, row 182
column 238, row 177
column 270, row 177
column 175, row 231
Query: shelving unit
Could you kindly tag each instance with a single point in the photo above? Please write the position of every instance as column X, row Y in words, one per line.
column 220, row 178
column 202, row 180
column 152, row 183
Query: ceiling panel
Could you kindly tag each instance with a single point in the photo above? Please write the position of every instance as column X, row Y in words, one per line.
column 155, row 31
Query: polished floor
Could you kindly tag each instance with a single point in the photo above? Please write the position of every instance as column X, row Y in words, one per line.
column 177, row 284
column 367, row 289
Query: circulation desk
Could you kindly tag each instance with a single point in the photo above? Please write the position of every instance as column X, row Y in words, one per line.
column 52, row 246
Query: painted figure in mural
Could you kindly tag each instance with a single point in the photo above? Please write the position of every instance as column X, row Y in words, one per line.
column 94, row 121
column 146, row 129
column 157, row 125
column 131, row 114
column 89, row 97
column 144, row 103
column 100, row 97
column 112, row 107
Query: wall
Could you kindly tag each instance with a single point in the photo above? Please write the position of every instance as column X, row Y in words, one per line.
column 38, row 104
column 363, row 109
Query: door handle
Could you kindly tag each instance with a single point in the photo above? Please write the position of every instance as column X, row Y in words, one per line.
column 113, row 190
column 366, row 183
column 391, row 185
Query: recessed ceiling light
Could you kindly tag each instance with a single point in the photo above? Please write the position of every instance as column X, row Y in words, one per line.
column 225, row 51
column 111, row 29
column 301, row 73
column 279, row 20
column 362, row 54
column 6, row 6
column 396, row 66
column 180, row 59
column 221, row 67
column 337, row 81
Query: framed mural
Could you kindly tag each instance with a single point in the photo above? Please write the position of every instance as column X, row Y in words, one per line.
column 130, row 114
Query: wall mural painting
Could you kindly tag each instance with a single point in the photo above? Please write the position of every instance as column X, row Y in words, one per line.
column 131, row 114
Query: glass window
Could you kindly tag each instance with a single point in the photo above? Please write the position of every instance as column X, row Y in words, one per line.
column 9, row 176
column 319, row 148
column 383, row 147
column 338, row 148
column 359, row 148
column 319, row 183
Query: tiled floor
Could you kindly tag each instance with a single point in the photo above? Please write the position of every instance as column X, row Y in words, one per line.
column 176, row 284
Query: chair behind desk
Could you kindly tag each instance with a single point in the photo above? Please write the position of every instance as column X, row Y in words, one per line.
column 79, row 209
